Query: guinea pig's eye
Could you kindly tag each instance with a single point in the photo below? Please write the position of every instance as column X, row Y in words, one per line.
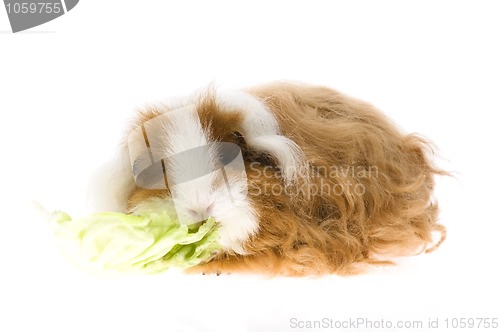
column 238, row 138
column 251, row 155
column 259, row 157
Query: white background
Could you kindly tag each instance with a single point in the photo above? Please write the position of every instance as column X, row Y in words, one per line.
column 68, row 88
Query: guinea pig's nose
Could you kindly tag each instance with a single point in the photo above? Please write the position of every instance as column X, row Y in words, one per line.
column 200, row 213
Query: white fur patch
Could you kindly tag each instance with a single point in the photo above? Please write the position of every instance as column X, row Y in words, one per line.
column 189, row 161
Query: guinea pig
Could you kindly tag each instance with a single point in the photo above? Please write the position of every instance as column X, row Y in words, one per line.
column 326, row 185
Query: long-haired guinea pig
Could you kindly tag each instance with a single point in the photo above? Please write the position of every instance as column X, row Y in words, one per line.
column 326, row 183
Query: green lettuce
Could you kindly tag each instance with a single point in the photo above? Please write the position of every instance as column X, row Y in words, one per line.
column 152, row 240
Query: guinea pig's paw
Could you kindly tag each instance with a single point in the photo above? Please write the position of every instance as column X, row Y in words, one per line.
column 218, row 273
column 209, row 268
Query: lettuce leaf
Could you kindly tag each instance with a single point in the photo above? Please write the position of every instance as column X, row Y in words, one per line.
column 152, row 240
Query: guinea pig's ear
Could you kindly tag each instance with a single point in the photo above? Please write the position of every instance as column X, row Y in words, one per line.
column 261, row 132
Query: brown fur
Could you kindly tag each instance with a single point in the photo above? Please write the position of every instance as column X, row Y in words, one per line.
column 330, row 232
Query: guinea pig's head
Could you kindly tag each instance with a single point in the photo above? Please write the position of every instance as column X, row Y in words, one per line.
column 196, row 156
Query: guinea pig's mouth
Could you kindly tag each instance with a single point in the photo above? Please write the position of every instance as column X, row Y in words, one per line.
column 195, row 226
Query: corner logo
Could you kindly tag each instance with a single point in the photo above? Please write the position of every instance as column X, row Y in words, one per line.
column 25, row 14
